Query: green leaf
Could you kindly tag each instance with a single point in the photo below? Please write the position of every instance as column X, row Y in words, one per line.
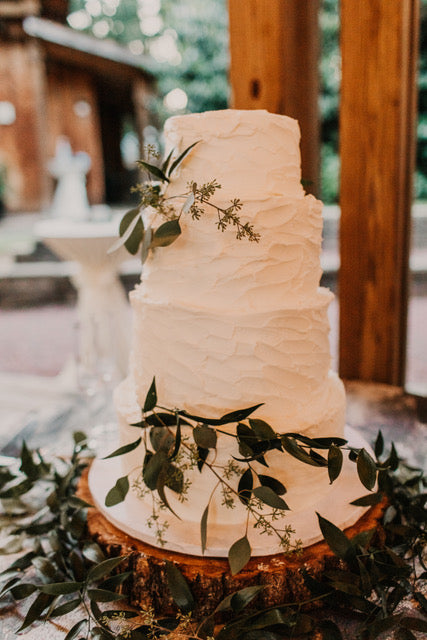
column 155, row 171
column 366, row 469
column 104, row 568
column 174, row 478
column 393, row 459
column 243, row 597
column 36, row 609
column 161, row 439
column 44, row 567
column 165, row 164
column 326, row 443
column 335, row 461
column 368, row 500
column 290, row 445
column 61, row 588
column 177, row 438
column 335, row 538
column 160, row 486
column 118, row 493
column 28, row 466
column 239, row 555
column 228, row 418
column 269, row 497
column 151, row 397
column 93, row 552
column 262, row 429
column 204, row 528
column 21, row 563
column 79, row 437
column 75, row 630
column 181, row 157
column 114, row 581
column 23, row 590
column 9, row 584
column 146, row 244
column 202, row 454
column 379, row 444
column 153, row 468
column 67, row 607
column 78, row 503
column 124, row 449
column 245, row 486
column 273, row 483
column 188, row 203
column 131, row 232
column 205, row 437
column 5, row 477
column 179, row 588
column 18, row 489
column 246, row 438
column 103, row 595
column 167, row 233
column 318, row 459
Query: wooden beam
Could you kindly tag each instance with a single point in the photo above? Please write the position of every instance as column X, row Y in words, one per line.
column 379, row 42
column 274, row 65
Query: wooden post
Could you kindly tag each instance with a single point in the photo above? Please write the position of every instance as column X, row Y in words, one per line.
column 379, row 41
column 274, row 60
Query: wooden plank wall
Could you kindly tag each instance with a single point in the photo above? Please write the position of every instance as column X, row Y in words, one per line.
column 274, row 66
column 21, row 73
column 379, row 46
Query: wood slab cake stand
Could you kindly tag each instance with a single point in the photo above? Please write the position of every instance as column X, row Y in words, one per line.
column 210, row 579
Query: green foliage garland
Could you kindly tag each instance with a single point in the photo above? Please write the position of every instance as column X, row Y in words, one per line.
column 62, row 570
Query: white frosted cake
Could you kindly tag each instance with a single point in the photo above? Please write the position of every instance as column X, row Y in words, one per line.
column 225, row 324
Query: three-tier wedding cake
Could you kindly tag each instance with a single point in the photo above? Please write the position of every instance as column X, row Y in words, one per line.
column 224, row 324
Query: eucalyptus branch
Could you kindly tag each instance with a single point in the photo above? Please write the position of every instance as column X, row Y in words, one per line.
column 153, row 194
column 62, row 570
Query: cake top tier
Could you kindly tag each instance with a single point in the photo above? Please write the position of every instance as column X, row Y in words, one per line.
column 251, row 154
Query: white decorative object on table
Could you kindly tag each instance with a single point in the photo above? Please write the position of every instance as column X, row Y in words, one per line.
column 103, row 307
column 70, row 201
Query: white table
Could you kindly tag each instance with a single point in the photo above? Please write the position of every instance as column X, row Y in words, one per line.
column 103, row 307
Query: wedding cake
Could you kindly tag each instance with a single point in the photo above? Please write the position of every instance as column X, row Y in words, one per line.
column 223, row 324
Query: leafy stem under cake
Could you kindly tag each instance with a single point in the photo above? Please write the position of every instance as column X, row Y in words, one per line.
column 137, row 236
column 176, row 442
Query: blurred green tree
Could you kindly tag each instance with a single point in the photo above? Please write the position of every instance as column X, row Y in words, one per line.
column 187, row 44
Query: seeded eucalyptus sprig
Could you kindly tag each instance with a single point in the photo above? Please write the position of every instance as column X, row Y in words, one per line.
column 153, row 194
column 168, row 456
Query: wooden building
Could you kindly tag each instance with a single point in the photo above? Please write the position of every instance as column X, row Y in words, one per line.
column 56, row 82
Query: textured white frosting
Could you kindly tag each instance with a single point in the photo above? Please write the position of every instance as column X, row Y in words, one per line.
column 251, row 154
column 225, row 324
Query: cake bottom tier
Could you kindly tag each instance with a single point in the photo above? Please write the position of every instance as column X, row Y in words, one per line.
column 133, row 516
column 308, row 487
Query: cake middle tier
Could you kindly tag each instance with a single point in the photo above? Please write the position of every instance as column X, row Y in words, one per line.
column 214, row 362
column 216, row 270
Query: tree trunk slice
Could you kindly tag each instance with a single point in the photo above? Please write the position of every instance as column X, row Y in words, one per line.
column 210, row 579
